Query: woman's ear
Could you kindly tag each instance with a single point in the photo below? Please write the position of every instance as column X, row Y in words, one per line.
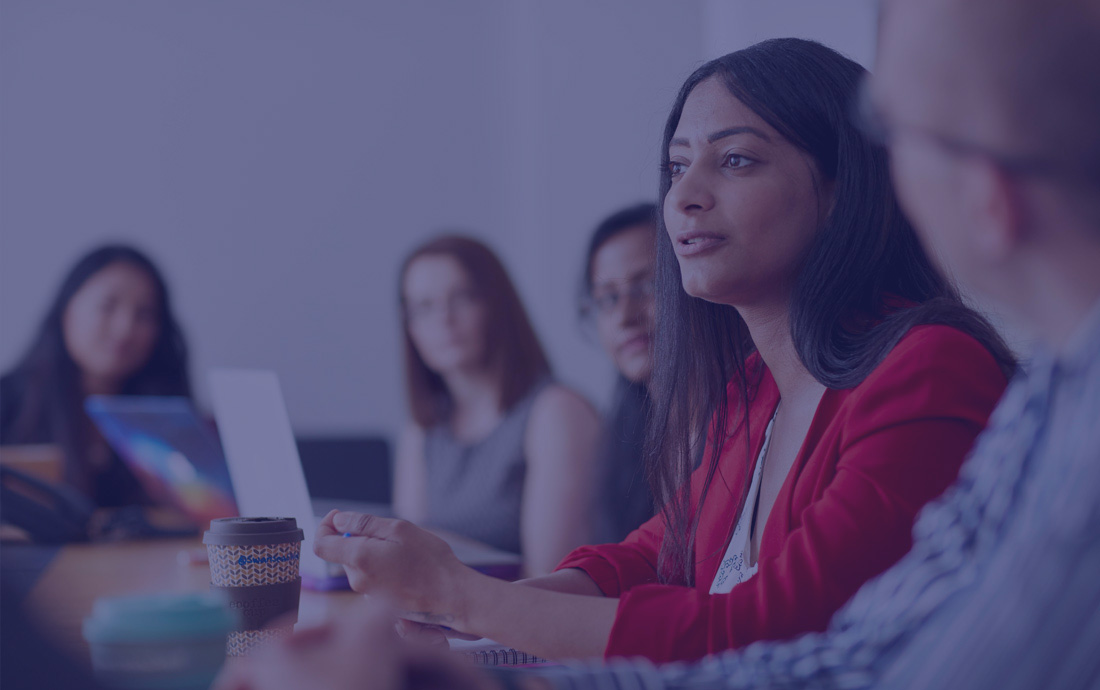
column 1000, row 215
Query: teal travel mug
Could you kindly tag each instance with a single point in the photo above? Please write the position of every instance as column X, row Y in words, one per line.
column 159, row 641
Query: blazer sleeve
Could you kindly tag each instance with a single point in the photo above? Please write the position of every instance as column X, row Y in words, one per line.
column 616, row 568
column 907, row 429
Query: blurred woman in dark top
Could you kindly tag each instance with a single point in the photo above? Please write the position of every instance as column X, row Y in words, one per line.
column 617, row 300
column 109, row 331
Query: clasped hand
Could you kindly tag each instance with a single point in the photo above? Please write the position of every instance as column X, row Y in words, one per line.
column 411, row 568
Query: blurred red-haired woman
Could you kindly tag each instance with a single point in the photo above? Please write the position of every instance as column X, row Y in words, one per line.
column 488, row 422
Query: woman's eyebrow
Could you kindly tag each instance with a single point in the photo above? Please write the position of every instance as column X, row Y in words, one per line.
column 721, row 134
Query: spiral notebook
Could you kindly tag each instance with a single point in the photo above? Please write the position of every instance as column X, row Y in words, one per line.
column 489, row 653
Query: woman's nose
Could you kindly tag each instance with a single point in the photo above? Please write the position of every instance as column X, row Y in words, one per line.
column 691, row 193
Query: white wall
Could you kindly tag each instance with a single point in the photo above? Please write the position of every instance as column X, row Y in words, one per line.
column 844, row 25
column 279, row 158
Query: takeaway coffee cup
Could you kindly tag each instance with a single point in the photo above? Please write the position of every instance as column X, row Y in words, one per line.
column 168, row 641
column 254, row 561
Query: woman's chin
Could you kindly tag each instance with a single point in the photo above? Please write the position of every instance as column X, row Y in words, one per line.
column 455, row 363
column 636, row 369
column 707, row 288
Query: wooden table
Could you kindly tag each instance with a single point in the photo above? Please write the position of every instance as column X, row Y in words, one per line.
column 81, row 573
column 44, row 461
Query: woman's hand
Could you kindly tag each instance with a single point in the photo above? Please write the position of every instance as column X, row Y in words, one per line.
column 431, row 635
column 411, row 568
column 417, row 573
column 358, row 651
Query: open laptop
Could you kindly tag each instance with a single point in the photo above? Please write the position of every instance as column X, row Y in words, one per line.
column 263, row 460
column 170, row 448
column 268, row 480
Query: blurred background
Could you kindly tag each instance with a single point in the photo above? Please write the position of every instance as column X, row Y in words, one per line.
column 279, row 159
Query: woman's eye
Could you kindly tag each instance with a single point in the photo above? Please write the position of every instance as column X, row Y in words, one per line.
column 462, row 297
column 146, row 315
column 736, row 161
column 675, row 168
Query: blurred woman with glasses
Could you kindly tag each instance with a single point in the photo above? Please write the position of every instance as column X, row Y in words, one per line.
column 617, row 302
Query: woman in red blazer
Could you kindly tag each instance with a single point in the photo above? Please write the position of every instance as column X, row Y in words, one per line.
column 873, row 455
column 836, row 380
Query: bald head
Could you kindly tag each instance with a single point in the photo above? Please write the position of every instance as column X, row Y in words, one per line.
column 993, row 107
column 1020, row 77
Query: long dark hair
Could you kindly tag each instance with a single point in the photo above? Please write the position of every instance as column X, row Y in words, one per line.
column 514, row 353
column 865, row 280
column 52, row 401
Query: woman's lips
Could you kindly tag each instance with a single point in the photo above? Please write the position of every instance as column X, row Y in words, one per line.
column 694, row 243
column 637, row 343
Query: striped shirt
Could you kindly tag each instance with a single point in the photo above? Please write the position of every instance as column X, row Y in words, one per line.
column 1001, row 588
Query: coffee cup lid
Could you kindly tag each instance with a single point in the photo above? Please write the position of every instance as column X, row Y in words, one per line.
column 158, row 617
column 253, row 531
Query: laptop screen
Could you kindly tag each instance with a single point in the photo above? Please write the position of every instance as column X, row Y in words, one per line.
column 174, row 453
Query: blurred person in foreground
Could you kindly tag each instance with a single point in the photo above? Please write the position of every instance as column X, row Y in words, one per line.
column 989, row 108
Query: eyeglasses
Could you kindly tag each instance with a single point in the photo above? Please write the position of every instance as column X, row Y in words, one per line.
column 869, row 119
column 608, row 298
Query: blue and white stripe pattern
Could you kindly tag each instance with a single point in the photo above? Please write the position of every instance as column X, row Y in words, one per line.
column 1002, row 585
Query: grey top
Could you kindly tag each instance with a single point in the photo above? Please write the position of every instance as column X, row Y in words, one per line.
column 1001, row 588
column 476, row 490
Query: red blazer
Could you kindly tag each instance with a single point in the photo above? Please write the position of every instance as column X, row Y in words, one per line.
column 874, row 455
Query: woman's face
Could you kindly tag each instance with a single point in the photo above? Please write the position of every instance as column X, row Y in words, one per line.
column 622, row 297
column 111, row 324
column 744, row 202
column 446, row 318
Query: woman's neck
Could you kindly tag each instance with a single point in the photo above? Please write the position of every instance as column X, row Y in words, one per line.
column 476, row 399
column 769, row 327
column 100, row 385
column 473, row 391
